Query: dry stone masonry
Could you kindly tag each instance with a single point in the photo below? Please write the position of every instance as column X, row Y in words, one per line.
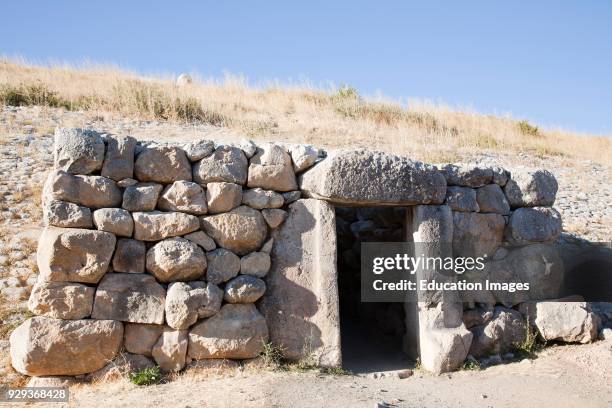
column 174, row 253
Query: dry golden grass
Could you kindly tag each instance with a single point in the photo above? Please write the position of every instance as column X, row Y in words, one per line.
column 332, row 118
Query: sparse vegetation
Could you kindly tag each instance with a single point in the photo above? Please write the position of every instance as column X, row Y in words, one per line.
column 527, row 128
column 272, row 356
column 329, row 118
column 528, row 347
column 471, row 365
column 147, row 376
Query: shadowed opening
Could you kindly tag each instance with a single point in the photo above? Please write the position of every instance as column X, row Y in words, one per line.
column 371, row 333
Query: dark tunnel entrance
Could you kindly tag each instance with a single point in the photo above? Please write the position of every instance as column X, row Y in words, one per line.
column 371, row 333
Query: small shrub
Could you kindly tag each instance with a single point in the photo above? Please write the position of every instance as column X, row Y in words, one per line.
column 528, row 347
column 147, row 376
column 346, row 92
column 471, row 365
column 272, row 356
column 29, row 95
column 528, row 129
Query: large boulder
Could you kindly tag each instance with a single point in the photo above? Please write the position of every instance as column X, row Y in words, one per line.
column 45, row 346
column 162, row 165
column 176, row 259
column 170, row 350
column 157, row 225
column 78, row 151
column 538, row 265
column 531, row 188
column 227, row 164
column 184, row 196
column 301, row 301
column 89, row 191
column 74, row 255
column 461, row 199
column 241, row 230
column 237, row 331
column 244, row 289
column 491, row 199
column 477, row 235
column 222, row 265
column 500, row 334
column 66, row 215
column 271, row 169
column 373, row 178
column 187, row 302
column 129, row 297
column 139, row 338
column 114, row 220
column 223, row 197
column 129, row 256
column 568, row 321
column 537, row 224
column 141, row 197
column 467, row 175
column 119, row 159
column 61, row 300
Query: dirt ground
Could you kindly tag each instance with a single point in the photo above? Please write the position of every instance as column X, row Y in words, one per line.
column 561, row 376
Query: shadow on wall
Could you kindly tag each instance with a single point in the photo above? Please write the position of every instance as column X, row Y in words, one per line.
column 588, row 270
column 290, row 304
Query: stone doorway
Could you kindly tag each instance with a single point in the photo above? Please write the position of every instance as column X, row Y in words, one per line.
column 371, row 333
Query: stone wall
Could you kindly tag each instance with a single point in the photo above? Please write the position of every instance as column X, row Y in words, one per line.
column 181, row 252
column 160, row 250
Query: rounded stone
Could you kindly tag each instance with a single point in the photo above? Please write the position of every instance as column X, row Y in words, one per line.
column 176, row 259
column 222, row 265
column 241, row 230
column 244, row 289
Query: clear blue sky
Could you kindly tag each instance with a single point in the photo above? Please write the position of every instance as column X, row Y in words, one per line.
column 547, row 61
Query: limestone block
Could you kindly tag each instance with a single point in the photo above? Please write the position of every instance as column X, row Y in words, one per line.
column 88, row 191
column 44, row 346
column 223, row 197
column 162, row 165
column 157, row 225
column 78, row 151
column 176, row 259
column 114, row 220
column 141, row 197
column 373, row 178
column 227, row 164
column 271, row 169
column 237, row 331
column 241, row 230
column 129, row 297
column 74, row 255
column 119, row 159
column 301, row 301
column 183, row 196
column 61, row 300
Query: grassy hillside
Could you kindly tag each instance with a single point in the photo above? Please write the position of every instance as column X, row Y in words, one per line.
column 334, row 118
